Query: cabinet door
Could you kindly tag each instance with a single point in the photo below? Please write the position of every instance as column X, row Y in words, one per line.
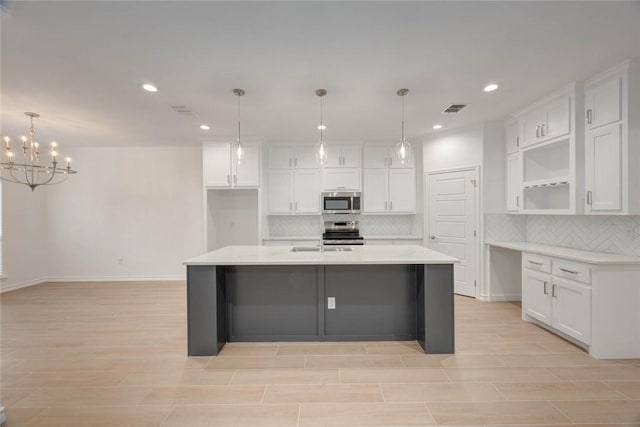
column 341, row 179
column 603, row 169
column 351, row 156
column 280, row 157
column 247, row 173
column 280, row 186
column 375, row 156
column 530, row 126
column 304, row 157
column 216, row 164
column 603, row 103
column 511, row 137
column 306, row 192
column 536, row 298
column 395, row 163
column 375, row 191
column 571, row 304
column 513, row 182
column 402, row 191
column 557, row 121
column 334, row 156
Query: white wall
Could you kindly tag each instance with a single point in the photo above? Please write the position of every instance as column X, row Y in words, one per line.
column 24, row 240
column 454, row 149
column 493, row 168
column 133, row 213
column 232, row 217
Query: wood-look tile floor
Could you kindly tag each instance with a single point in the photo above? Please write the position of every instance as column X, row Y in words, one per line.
column 113, row 354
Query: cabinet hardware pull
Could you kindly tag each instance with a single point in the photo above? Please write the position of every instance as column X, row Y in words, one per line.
column 385, row 205
column 296, row 206
column 568, row 271
column 289, row 161
column 235, row 179
column 543, row 128
column 538, row 131
column 518, row 141
column 589, row 116
column 590, row 197
column 390, row 161
column 290, row 206
column 544, row 288
column 535, row 263
column 390, row 206
column 295, row 161
column 554, row 292
column 517, row 201
column 228, row 180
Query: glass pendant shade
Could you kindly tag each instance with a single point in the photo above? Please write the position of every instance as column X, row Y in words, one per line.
column 321, row 153
column 239, row 153
column 403, row 152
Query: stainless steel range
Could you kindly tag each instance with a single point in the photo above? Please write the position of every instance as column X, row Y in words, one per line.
column 341, row 233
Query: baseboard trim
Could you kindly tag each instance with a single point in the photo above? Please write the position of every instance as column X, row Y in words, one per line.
column 20, row 285
column 116, row 279
column 28, row 283
column 498, row 298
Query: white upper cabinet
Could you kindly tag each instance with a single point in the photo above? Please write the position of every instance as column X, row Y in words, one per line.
column 294, row 191
column 343, row 156
column 299, row 157
column 513, row 182
column 216, row 164
column 612, row 141
column 376, row 191
column 547, row 121
column 340, row 179
column 603, row 102
column 512, row 137
column 557, row 114
column 220, row 167
column 384, row 156
column 402, row 191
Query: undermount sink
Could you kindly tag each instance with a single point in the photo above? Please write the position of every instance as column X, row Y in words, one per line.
column 305, row 249
column 320, row 249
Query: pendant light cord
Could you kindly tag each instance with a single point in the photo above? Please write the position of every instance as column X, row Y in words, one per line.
column 238, row 120
column 402, row 119
column 321, row 125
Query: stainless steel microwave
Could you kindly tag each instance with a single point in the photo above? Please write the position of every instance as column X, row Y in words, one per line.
column 342, row 202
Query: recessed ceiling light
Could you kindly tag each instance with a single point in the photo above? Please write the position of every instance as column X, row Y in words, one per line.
column 149, row 87
column 438, row 126
column 491, row 87
column 322, row 127
column 204, row 127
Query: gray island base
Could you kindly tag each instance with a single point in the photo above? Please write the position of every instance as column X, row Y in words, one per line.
column 256, row 294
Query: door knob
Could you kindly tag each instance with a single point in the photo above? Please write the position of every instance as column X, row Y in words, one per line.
column 432, row 237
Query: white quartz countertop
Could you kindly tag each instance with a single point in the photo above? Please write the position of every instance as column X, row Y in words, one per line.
column 366, row 236
column 568, row 253
column 359, row 255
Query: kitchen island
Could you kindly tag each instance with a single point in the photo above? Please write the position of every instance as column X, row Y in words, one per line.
column 354, row 293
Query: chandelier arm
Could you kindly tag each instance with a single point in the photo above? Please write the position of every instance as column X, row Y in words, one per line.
column 66, row 176
column 11, row 180
column 53, row 173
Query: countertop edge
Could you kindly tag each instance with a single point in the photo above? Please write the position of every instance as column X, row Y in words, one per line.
column 590, row 257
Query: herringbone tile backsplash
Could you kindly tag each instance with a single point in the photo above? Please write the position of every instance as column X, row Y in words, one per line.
column 612, row 234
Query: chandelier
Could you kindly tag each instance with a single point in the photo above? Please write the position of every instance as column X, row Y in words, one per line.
column 31, row 172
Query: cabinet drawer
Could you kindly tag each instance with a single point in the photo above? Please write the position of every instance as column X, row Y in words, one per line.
column 572, row 270
column 536, row 262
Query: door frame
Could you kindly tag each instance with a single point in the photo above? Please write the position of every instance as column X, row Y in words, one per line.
column 477, row 215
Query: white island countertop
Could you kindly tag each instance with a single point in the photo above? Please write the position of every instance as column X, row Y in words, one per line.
column 359, row 255
column 568, row 253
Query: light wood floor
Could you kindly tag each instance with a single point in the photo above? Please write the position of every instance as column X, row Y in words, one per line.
column 113, row 354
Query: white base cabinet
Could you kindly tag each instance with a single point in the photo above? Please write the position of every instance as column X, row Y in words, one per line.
column 597, row 306
column 553, row 300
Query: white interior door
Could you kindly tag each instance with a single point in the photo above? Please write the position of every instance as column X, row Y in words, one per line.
column 452, row 224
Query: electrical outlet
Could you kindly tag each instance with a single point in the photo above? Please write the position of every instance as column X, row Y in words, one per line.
column 331, row 303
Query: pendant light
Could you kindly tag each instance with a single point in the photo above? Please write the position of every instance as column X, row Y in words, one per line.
column 321, row 147
column 403, row 148
column 239, row 148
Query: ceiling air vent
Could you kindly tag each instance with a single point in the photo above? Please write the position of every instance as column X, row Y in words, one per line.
column 182, row 109
column 454, row 108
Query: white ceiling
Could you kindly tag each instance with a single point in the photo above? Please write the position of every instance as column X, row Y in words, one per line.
column 80, row 65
